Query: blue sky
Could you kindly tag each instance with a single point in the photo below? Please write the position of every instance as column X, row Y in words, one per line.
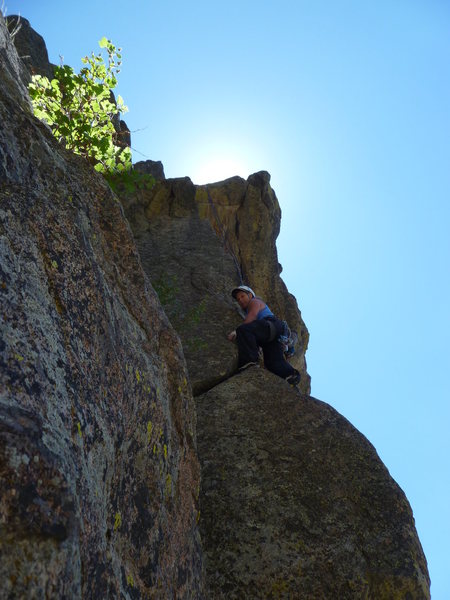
column 346, row 104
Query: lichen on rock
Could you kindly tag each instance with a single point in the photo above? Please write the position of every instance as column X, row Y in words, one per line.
column 90, row 504
column 296, row 503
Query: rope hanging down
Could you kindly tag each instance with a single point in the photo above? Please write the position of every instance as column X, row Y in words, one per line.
column 220, row 229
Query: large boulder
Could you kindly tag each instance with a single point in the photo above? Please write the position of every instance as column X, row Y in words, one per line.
column 98, row 470
column 296, row 503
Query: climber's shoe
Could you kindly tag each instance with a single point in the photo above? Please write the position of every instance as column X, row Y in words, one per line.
column 247, row 365
column 294, row 379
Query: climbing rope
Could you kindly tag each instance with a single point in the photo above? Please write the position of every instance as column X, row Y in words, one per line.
column 222, row 233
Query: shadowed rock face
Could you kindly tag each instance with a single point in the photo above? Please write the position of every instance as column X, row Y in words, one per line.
column 197, row 243
column 98, row 470
column 295, row 502
column 192, row 273
column 30, row 47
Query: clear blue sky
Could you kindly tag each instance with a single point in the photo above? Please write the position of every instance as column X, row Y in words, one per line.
column 346, row 104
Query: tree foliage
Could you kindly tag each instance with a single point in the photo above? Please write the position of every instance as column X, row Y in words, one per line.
column 79, row 108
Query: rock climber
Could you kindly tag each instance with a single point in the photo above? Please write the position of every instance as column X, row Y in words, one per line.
column 260, row 329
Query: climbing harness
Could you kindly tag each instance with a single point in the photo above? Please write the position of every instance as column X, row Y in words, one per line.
column 288, row 339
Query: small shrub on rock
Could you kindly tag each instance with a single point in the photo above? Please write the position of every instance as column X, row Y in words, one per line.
column 80, row 108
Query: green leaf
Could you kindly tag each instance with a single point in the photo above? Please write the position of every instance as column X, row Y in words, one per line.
column 79, row 110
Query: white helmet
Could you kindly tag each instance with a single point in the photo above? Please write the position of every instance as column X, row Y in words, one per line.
column 242, row 288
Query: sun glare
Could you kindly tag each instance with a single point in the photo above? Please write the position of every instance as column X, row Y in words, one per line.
column 218, row 169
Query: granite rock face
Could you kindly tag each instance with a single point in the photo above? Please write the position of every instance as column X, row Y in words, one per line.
column 15, row 76
column 197, row 243
column 98, row 469
column 295, row 502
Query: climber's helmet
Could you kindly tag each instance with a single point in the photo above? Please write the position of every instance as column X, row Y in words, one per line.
column 242, row 288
